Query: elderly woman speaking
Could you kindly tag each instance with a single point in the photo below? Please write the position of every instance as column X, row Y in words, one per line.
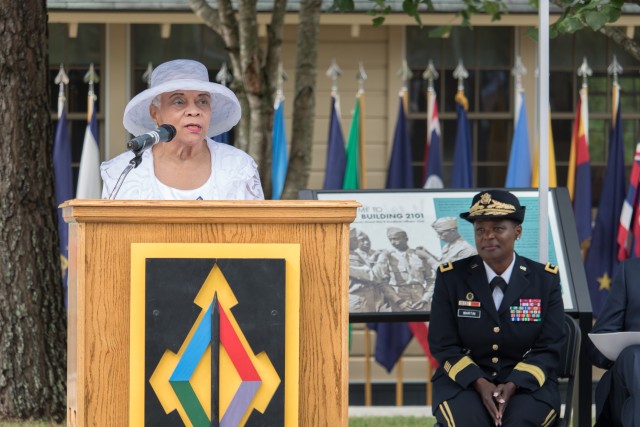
column 496, row 327
column 192, row 165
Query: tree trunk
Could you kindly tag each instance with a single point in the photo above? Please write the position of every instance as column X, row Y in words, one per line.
column 305, row 99
column 32, row 316
column 240, row 35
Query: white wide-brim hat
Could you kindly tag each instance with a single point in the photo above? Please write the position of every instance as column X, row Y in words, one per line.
column 182, row 74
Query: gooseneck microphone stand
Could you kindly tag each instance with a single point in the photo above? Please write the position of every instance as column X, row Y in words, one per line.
column 133, row 163
column 138, row 145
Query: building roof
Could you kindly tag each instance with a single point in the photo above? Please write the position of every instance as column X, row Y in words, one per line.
column 263, row 5
column 440, row 6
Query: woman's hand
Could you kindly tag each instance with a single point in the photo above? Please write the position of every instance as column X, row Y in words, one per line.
column 487, row 391
column 502, row 395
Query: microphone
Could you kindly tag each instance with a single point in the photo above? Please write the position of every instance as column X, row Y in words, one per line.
column 164, row 133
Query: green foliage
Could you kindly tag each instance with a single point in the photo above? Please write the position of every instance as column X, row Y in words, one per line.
column 593, row 14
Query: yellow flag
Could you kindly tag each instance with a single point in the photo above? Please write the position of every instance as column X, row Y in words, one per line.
column 553, row 181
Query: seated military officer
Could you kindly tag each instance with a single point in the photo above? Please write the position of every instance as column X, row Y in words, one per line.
column 496, row 327
column 618, row 391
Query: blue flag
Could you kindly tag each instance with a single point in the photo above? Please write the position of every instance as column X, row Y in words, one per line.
column 223, row 138
column 519, row 170
column 601, row 263
column 279, row 160
column 64, row 187
column 393, row 338
column 400, row 173
column 462, row 167
column 336, row 152
column 391, row 341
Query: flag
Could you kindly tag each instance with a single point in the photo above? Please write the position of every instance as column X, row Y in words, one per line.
column 400, row 173
column 433, row 153
column 279, row 155
column 462, row 167
column 420, row 331
column 553, row 181
column 336, row 153
column 519, row 169
column 629, row 229
column 89, row 181
column 352, row 170
column 64, row 187
column 223, row 138
column 602, row 261
column 393, row 338
column 579, row 174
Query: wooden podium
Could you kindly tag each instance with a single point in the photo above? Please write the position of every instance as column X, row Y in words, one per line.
column 100, row 236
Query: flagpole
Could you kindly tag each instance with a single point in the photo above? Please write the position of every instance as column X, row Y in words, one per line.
column 61, row 80
column 543, row 124
column 518, row 71
column 334, row 72
column 91, row 77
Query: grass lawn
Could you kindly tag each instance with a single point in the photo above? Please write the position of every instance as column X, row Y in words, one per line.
column 29, row 424
column 391, row 421
column 353, row 422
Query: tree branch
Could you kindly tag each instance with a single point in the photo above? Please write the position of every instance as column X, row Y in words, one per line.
column 205, row 12
column 618, row 36
column 274, row 43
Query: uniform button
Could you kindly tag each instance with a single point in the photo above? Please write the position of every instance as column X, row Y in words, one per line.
column 496, row 329
column 494, row 347
column 493, row 374
column 494, row 360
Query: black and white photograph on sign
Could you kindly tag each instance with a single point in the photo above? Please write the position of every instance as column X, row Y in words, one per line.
column 400, row 238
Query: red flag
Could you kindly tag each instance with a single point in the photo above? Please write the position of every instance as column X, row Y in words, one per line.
column 420, row 332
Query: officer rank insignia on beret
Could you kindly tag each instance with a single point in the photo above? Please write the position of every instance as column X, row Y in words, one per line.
column 551, row 268
column 447, row 266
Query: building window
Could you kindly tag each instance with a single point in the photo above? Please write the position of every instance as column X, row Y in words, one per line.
column 76, row 54
column 487, row 54
column 567, row 53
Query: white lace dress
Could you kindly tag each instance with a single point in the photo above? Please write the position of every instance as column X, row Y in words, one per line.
column 234, row 176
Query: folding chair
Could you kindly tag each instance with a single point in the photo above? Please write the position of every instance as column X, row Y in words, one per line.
column 568, row 364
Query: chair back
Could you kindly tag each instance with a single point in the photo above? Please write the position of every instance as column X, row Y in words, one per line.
column 569, row 362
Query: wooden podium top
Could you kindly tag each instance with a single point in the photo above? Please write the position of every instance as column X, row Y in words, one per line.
column 207, row 211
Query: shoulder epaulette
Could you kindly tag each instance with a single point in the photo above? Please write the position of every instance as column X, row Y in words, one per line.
column 447, row 266
column 551, row 268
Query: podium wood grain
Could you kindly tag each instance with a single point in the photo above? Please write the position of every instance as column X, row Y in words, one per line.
column 101, row 234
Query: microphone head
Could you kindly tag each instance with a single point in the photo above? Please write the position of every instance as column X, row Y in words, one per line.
column 171, row 131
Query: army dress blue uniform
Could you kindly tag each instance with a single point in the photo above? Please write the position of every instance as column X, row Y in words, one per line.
column 518, row 342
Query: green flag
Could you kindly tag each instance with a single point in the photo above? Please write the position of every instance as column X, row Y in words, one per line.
column 351, row 173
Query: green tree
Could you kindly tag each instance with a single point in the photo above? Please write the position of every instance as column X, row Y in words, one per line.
column 575, row 15
column 32, row 316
